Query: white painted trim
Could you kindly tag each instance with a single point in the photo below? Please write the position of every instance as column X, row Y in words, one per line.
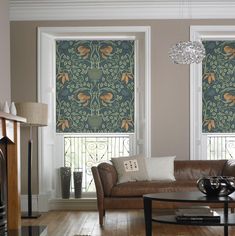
column 39, row 203
column 44, row 203
column 72, row 32
column 148, row 91
column 73, row 204
column 45, row 94
column 123, row 9
column 199, row 32
column 48, row 159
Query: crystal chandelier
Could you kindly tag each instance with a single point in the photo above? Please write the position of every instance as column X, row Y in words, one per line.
column 187, row 52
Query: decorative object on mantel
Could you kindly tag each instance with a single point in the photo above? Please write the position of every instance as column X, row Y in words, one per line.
column 65, row 177
column 77, row 178
column 6, row 107
column 36, row 115
column 216, row 185
column 187, row 52
column 13, row 109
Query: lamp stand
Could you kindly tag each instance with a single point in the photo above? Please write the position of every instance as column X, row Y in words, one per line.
column 30, row 213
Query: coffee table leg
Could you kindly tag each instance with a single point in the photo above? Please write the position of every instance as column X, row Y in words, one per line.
column 148, row 216
column 226, row 230
column 226, row 219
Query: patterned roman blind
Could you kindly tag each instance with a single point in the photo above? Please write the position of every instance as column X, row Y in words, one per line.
column 95, row 86
column 218, row 87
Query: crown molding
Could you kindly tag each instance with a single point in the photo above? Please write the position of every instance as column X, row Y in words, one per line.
column 117, row 10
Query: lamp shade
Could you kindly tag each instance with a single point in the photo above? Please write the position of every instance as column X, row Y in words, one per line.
column 35, row 113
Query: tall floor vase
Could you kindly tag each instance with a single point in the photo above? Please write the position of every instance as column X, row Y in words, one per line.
column 65, row 176
column 77, row 177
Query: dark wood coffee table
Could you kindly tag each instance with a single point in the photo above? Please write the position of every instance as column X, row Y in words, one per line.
column 192, row 197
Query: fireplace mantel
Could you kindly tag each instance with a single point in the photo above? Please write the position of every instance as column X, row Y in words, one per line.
column 10, row 133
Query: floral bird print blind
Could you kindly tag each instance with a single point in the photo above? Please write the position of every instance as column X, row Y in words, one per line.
column 95, row 86
column 218, row 87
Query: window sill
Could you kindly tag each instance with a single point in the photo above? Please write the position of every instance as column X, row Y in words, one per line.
column 81, row 204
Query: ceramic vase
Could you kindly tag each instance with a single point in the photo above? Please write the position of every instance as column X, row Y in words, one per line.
column 77, row 178
column 65, row 177
column 6, row 107
column 13, row 109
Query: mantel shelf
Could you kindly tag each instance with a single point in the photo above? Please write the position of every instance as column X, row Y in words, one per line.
column 12, row 117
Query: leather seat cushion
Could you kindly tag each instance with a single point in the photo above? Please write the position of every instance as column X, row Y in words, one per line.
column 139, row 188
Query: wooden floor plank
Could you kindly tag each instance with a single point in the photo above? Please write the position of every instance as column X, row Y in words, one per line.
column 117, row 223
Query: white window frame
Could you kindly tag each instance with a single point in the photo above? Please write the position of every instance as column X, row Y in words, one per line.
column 198, row 140
column 48, row 161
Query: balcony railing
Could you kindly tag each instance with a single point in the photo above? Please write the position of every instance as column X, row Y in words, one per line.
column 220, row 147
column 83, row 152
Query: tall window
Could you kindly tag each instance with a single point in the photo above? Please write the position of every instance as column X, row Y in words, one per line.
column 218, row 98
column 213, row 95
column 103, row 124
column 95, row 101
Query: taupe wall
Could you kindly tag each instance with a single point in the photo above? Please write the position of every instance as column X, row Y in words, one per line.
column 170, row 82
column 5, row 90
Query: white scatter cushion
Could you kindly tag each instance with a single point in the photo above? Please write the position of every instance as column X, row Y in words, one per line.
column 160, row 168
column 129, row 169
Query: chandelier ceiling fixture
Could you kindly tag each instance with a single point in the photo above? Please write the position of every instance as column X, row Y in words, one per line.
column 187, row 52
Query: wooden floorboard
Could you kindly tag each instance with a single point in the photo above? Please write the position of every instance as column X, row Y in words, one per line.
column 117, row 223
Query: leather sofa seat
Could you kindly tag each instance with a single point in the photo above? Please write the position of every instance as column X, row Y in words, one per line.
column 139, row 188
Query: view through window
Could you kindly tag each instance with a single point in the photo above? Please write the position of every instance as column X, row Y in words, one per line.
column 220, row 147
column 83, row 152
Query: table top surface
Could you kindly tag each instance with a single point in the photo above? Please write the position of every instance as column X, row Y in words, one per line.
column 189, row 197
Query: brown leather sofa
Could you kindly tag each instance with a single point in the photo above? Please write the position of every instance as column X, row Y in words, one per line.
column 111, row 195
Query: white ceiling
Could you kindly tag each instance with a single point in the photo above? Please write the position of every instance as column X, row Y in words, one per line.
column 121, row 9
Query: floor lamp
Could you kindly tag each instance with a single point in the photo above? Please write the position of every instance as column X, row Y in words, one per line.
column 36, row 115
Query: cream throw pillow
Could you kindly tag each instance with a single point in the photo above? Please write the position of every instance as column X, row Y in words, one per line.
column 129, row 169
column 160, row 168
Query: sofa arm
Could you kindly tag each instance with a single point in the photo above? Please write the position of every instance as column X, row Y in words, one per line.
column 229, row 168
column 108, row 177
column 98, row 184
column 99, row 193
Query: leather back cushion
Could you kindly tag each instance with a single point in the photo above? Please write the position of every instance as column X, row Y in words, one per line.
column 186, row 170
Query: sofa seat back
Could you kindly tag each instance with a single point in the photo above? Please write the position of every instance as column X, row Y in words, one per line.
column 193, row 170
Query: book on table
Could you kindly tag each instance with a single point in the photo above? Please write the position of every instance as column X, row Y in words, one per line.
column 197, row 214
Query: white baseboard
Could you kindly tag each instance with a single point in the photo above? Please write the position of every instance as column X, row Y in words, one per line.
column 45, row 203
column 73, row 204
column 39, row 202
